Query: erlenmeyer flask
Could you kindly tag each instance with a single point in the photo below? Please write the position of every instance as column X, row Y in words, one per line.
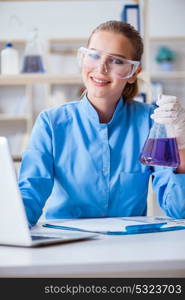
column 33, row 62
column 160, row 148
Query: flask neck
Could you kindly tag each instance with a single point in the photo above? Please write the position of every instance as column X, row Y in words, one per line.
column 162, row 131
column 33, row 43
column 158, row 131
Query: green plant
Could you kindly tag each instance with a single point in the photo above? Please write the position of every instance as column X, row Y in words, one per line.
column 165, row 54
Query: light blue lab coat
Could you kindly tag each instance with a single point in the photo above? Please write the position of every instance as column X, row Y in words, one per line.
column 92, row 169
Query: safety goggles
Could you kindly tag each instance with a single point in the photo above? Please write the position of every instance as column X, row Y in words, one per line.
column 114, row 65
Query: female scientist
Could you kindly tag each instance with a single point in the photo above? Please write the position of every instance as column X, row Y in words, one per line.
column 85, row 154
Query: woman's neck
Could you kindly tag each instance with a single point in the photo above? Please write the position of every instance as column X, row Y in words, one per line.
column 105, row 108
column 105, row 115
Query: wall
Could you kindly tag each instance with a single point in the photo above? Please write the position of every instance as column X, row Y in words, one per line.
column 167, row 17
column 57, row 19
column 78, row 18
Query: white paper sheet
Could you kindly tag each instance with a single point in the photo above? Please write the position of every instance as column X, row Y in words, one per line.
column 113, row 224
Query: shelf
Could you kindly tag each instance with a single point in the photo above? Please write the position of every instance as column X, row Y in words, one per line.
column 65, row 46
column 143, row 75
column 14, row 41
column 7, row 117
column 168, row 75
column 167, row 38
column 23, row 79
column 67, row 40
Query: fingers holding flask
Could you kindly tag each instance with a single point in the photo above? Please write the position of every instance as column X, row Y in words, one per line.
column 168, row 111
column 171, row 113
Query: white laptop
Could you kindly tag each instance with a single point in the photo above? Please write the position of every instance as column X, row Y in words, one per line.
column 14, row 229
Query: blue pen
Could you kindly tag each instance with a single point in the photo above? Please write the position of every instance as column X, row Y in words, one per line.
column 145, row 227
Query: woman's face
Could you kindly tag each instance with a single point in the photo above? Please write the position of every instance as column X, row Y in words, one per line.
column 100, row 83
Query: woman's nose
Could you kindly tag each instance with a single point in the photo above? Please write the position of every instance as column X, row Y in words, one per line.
column 102, row 67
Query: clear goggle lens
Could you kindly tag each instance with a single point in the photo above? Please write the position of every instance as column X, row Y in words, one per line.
column 116, row 66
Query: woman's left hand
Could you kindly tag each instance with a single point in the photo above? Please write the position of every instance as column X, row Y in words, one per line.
column 171, row 113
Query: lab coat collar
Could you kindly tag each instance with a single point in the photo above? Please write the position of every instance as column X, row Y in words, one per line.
column 93, row 115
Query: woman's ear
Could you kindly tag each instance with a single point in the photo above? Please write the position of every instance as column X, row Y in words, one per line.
column 133, row 78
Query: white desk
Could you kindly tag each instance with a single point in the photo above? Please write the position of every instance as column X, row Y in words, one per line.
column 144, row 255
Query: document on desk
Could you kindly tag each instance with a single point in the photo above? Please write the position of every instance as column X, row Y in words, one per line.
column 118, row 225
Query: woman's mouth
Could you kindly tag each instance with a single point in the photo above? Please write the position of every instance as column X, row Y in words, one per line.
column 99, row 81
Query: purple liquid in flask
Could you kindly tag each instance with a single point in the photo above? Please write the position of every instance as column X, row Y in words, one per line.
column 161, row 152
column 160, row 149
column 33, row 64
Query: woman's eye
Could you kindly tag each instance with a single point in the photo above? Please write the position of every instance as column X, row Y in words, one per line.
column 94, row 55
column 117, row 61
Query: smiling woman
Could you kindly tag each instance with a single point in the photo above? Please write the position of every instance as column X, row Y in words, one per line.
column 85, row 154
column 119, row 78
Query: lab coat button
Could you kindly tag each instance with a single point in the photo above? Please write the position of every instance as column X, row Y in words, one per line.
column 105, row 171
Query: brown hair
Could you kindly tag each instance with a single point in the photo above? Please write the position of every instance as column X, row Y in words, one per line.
column 131, row 89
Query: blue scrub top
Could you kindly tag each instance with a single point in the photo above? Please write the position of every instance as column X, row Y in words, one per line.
column 92, row 169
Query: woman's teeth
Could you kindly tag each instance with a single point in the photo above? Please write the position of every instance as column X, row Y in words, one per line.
column 100, row 81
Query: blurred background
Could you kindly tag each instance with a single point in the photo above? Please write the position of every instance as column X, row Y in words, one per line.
column 38, row 46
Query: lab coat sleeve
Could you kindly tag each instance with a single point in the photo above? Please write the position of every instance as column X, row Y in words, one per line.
column 170, row 191
column 36, row 172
